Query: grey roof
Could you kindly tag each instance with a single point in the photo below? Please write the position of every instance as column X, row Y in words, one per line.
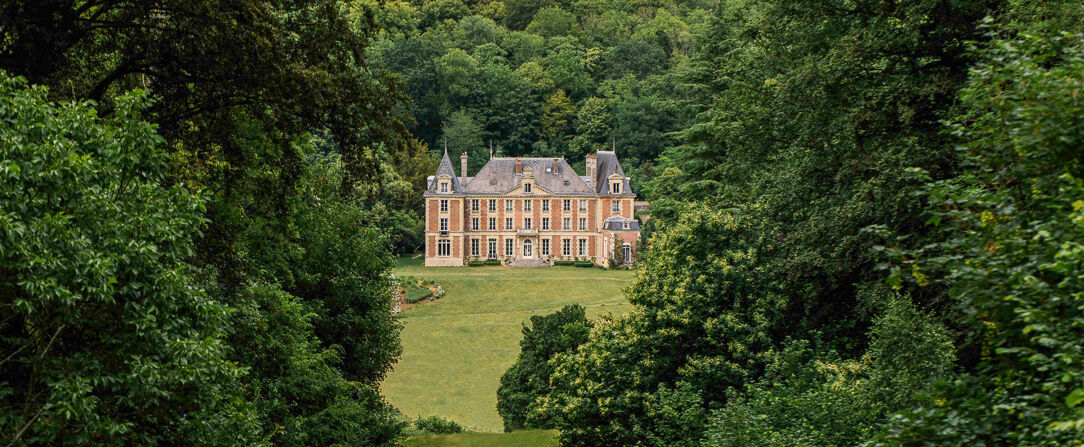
column 607, row 165
column 499, row 176
column 445, row 168
column 616, row 223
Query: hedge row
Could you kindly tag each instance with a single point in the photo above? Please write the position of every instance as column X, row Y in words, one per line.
column 575, row 263
column 481, row 263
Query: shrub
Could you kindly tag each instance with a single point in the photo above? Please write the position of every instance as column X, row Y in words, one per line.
column 415, row 293
column 564, row 262
column 437, row 425
column 584, row 264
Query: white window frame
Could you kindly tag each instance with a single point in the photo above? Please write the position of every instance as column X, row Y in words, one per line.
column 566, row 205
column 492, row 252
column 545, row 223
column 526, row 187
column 544, row 248
column 583, row 205
column 616, row 206
column 444, row 205
column 509, row 247
column 566, row 223
column 566, row 247
column 508, row 224
column 492, row 205
column 474, row 246
column 527, row 206
column 508, row 204
column 582, row 249
column 492, row 223
column 444, row 248
column 474, row 224
column 443, row 224
column 474, row 205
column 526, row 223
column 583, row 224
column 545, row 205
column 443, row 186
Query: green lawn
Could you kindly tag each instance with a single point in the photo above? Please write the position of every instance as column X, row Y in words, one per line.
column 456, row 348
column 528, row 438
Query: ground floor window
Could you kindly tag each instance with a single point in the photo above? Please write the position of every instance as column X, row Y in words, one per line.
column 628, row 253
column 566, row 247
column 583, row 247
column 508, row 247
column 444, row 247
column 474, row 247
column 492, row 248
column 544, row 250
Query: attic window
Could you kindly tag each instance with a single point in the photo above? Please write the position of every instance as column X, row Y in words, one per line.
column 493, row 182
column 548, row 169
column 565, row 182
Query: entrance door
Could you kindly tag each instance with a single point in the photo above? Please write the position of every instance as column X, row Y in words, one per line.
column 527, row 245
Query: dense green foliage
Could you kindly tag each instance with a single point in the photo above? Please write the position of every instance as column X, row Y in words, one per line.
column 106, row 339
column 436, row 425
column 548, row 335
column 541, row 78
column 305, row 178
column 871, row 234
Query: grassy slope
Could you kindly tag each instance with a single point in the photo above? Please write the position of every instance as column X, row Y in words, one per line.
column 455, row 349
column 529, row 438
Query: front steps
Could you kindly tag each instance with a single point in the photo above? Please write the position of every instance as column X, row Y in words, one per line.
column 528, row 263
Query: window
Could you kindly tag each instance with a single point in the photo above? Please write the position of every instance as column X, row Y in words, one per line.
column 583, row 247
column 444, row 247
column 527, row 245
column 474, row 247
column 545, row 223
column 617, row 206
column 527, row 205
column 507, row 223
column 527, row 223
column 444, row 206
column 526, row 187
column 624, row 225
column 583, row 224
column 567, row 205
column 474, row 205
column 443, row 186
column 492, row 249
column 508, row 205
column 566, row 223
column 617, row 187
column 492, row 205
column 544, row 250
column 583, row 205
column 545, row 205
column 628, row 252
column 566, row 247
column 474, row 224
column 443, row 224
column 508, row 247
column 492, row 223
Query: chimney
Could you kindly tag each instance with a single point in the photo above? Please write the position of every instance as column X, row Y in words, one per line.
column 519, row 165
column 463, row 167
column 592, row 166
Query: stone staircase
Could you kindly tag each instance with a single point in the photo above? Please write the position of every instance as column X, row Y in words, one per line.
column 527, row 263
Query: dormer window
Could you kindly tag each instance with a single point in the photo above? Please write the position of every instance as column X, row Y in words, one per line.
column 526, row 187
column 616, row 187
column 624, row 225
column 443, row 186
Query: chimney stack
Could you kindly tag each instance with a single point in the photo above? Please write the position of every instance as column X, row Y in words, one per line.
column 463, row 168
column 592, row 167
column 519, row 165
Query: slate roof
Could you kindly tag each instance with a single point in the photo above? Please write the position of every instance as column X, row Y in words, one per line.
column 607, row 165
column 445, row 167
column 499, row 176
column 616, row 223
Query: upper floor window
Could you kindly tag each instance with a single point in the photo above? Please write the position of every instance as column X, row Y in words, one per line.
column 545, row 205
column 474, row 224
column 583, row 224
column 545, row 223
column 526, row 187
column 567, row 205
column 617, row 187
column 508, row 204
column 527, row 223
column 583, row 205
column 617, row 206
column 492, row 223
column 507, row 223
column 444, row 206
column 527, row 205
column 566, row 223
column 474, row 205
column 443, row 224
column 492, row 205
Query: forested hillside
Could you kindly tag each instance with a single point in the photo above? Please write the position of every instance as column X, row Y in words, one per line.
column 542, row 78
column 869, row 215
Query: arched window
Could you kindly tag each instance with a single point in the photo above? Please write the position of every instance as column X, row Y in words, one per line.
column 527, row 248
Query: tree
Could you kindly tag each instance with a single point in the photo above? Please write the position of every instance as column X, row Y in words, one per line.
column 552, row 21
column 108, row 340
column 463, row 133
column 528, row 379
column 556, row 112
